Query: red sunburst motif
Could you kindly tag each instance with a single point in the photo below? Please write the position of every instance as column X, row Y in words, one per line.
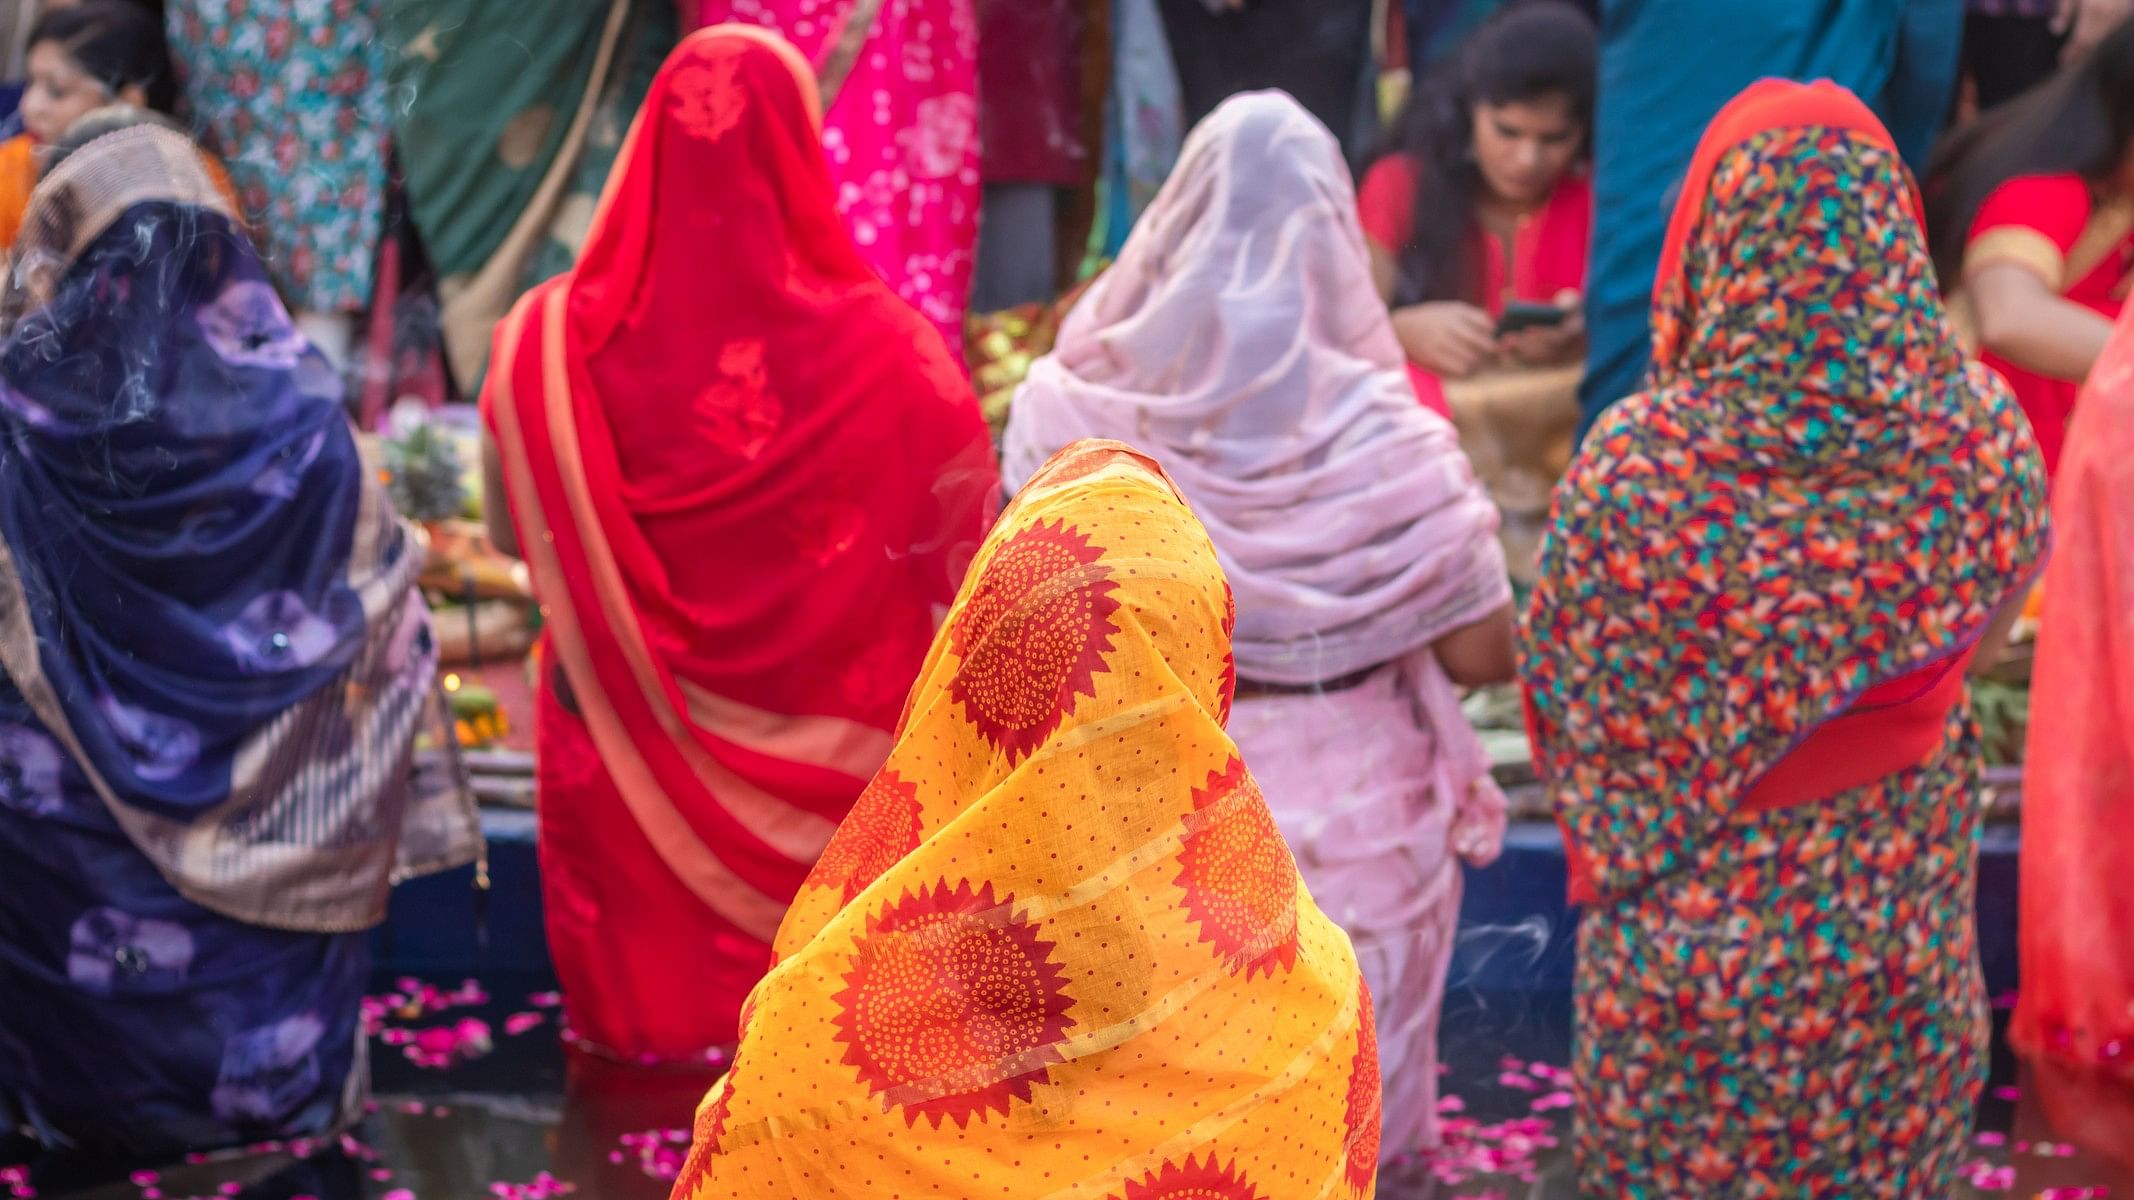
column 953, row 1006
column 1361, row 1138
column 881, row 829
column 1033, row 636
column 704, row 1142
column 1239, row 880
column 1191, row 1181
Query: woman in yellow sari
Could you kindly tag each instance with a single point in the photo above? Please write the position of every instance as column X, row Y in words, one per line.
column 1059, row 944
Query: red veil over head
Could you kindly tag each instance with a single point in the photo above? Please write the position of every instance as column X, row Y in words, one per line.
column 746, row 475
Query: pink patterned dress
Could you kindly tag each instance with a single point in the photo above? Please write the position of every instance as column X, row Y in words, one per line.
column 902, row 136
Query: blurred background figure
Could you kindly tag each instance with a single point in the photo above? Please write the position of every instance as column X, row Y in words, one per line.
column 81, row 57
column 1436, row 28
column 1484, row 202
column 1318, row 52
column 507, row 116
column 2075, row 1019
column 2011, row 45
column 291, row 94
column 900, row 127
column 1668, row 65
column 2032, row 212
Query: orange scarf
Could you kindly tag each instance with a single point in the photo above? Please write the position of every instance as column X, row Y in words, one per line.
column 1059, row 945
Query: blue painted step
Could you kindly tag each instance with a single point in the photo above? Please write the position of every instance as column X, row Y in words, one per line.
column 1512, row 967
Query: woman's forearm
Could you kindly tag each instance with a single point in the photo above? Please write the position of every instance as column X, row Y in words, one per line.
column 496, row 507
column 2023, row 320
column 2058, row 339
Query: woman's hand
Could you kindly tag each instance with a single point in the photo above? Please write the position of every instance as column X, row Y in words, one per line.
column 1447, row 337
column 2085, row 22
column 1554, row 345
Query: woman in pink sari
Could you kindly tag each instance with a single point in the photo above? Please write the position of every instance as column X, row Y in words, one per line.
column 2075, row 1023
column 1238, row 340
column 900, row 127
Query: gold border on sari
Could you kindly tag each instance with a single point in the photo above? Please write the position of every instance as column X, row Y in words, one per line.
column 2016, row 245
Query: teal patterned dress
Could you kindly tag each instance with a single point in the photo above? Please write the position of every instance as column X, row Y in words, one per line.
column 291, row 94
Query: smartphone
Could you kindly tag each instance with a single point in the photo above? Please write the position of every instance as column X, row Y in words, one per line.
column 1520, row 315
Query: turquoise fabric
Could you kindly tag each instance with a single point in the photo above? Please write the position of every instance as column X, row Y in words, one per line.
column 1667, row 66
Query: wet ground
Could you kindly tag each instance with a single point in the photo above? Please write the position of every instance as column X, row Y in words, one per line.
column 475, row 1101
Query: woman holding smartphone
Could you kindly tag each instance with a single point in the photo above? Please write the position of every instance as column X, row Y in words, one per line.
column 1487, row 202
column 1479, row 227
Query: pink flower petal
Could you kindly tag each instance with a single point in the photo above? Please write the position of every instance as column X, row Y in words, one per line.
column 518, row 1023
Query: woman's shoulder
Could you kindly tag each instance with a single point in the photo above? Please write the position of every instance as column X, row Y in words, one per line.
column 2057, row 204
column 1397, row 169
column 1385, row 200
column 1573, row 198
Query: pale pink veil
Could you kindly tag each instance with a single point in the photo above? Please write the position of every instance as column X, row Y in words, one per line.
column 1239, row 340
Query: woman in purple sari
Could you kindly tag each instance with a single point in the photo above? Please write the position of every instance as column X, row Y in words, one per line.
column 213, row 663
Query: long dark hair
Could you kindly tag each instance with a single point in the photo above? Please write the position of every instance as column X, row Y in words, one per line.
column 1529, row 51
column 117, row 43
column 2080, row 120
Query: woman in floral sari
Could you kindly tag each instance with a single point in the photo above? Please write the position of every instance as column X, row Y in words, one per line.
column 1059, row 945
column 900, row 125
column 215, row 664
column 746, row 478
column 1744, row 669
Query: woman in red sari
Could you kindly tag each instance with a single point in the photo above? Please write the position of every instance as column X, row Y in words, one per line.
column 747, row 479
column 2075, row 1023
column 2032, row 214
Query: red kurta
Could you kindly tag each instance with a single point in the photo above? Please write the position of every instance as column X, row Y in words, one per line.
column 1546, row 255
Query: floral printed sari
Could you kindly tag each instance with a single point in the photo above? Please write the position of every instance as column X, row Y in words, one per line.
column 1744, row 667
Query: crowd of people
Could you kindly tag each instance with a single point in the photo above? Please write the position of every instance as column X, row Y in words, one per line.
column 1114, row 838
